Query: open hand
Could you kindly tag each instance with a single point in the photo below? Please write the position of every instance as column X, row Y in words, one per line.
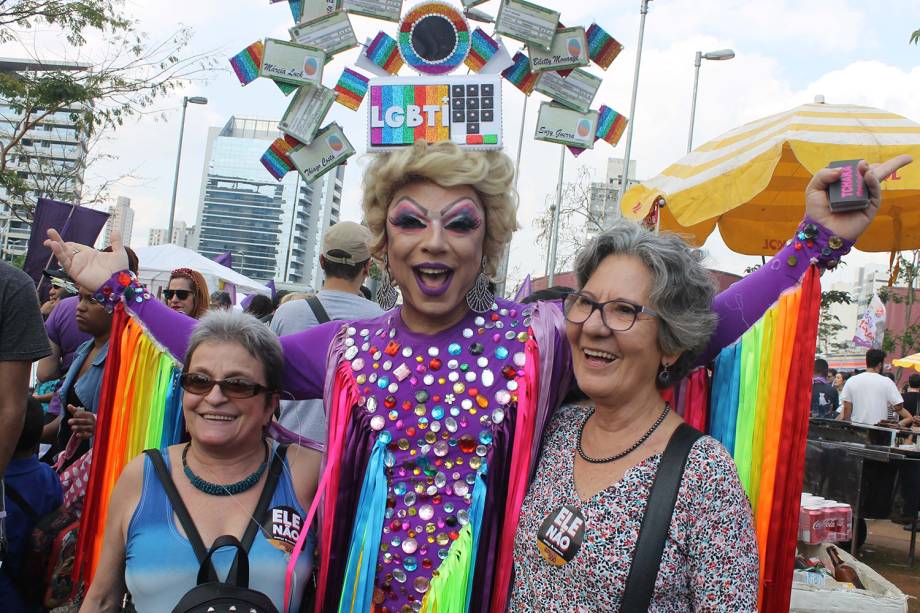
column 88, row 267
column 849, row 224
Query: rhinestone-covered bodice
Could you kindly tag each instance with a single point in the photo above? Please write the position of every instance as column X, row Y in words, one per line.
column 437, row 403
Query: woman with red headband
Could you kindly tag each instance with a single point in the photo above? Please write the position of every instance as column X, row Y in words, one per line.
column 187, row 292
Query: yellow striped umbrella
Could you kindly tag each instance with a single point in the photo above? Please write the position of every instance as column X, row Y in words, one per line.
column 910, row 361
column 751, row 181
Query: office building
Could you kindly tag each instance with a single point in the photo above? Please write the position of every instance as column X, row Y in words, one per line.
column 183, row 235
column 273, row 228
column 121, row 220
column 50, row 159
column 602, row 197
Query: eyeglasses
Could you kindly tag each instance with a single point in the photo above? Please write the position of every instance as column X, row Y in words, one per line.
column 617, row 315
column 181, row 294
column 198, row 384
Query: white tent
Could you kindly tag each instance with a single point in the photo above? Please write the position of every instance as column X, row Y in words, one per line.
column 157, row 262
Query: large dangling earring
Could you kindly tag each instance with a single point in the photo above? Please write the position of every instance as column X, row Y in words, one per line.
column 386, row 291
column 480, row 298
column 664, row 377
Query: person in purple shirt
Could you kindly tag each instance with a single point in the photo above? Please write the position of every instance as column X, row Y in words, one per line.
column 436, row 408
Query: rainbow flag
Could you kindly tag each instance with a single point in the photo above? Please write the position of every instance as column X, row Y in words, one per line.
column 602, row 48
column 246, row 63
column 275, row 159
column 482, row 48
column 140, row 407
column 519, row 73
column 610, row 125
column 384, row 53
column 351, row 89
column 761, row 401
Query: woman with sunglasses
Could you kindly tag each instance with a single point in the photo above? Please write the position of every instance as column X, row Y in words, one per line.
column 436, row 409
column 232, row 381
column 187, row 293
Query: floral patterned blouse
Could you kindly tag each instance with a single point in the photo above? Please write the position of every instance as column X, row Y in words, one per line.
column 710, row 560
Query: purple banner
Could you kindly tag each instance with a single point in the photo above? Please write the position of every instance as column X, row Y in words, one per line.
column 224, row 259
column 75, row 223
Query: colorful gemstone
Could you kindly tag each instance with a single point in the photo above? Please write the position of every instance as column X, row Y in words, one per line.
column 434, row 364
column 467, row 443
column 410, row 564
column 389, row 402
column 383, row 382
column 501, row 353
column 498, row 416
column 392, row 348
column 357, row 364
column 421, row 396
column 835, row 242
column 476, row 349
column 467, row 333
column 487, row 378
column 402, row 371
column 454, row 349
column 377, row 422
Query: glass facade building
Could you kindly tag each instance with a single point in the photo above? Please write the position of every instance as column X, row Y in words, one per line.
column 273, row 228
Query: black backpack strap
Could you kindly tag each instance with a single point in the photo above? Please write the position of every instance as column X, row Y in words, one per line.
column 268, row 490
column 181, row 511
column 318, row 310
column 21, row 502
column 647, row 559
column 239, row 572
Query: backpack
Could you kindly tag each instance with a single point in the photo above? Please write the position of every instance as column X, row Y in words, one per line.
column 211, row 594
column 45, row 576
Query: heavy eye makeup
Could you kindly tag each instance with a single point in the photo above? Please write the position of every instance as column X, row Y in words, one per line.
column 463, row 218
column 406, row 216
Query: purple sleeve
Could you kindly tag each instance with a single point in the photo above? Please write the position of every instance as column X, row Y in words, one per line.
column 741, row 305
column 305, row 360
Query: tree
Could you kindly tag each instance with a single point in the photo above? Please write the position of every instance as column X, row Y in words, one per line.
column 829, row 324
column 915, row 37
column 121, row 74
column 577, row 217
column 907, row 274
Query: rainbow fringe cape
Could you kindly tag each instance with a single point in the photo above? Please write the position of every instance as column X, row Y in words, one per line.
column 139, row 408
column 761, row 398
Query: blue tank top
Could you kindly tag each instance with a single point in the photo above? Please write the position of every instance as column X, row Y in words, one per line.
column 160, row 564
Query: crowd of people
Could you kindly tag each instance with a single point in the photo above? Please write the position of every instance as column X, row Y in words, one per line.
column 438, row 448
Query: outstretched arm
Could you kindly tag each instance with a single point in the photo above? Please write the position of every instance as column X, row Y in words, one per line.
column 823, row 237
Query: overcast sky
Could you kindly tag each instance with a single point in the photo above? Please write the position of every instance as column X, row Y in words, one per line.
column 788, row 51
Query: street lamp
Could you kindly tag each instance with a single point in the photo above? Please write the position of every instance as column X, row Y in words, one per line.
column 717, row 56
column 172, row 204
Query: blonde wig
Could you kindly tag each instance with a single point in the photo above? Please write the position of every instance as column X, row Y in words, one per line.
column 489, row 173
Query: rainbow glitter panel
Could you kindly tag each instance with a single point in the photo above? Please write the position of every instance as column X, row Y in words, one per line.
column 602, row 48
column 246, row 63
column 383, row 52
column 275, row 159
column 482, row 48
column 465, row 110
column 434, row 38
column 520, row 75
column 351, row 89
column 610, row 125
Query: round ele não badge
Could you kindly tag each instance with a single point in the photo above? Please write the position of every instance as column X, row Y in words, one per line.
column 560, row 536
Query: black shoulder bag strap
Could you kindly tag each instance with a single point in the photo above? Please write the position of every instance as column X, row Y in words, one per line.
column 321, row 315
column 21, row 502
column 647, row 559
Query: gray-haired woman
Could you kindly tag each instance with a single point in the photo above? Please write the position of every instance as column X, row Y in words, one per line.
column 642, row 313
column 232, row 379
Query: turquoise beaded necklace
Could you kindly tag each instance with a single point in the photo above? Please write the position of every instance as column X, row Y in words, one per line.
column 216, row 489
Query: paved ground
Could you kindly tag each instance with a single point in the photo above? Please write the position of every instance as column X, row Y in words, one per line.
column 886, row 551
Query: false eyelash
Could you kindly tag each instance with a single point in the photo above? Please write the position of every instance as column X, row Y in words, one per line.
column 405, row 220
column 464, row 223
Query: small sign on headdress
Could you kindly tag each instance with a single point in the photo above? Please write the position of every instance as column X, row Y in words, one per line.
column 558, row 124
column 569, row 50
column 388, row 10
column 482, row 48
column 332, row 33
column 329, row 149
column 610, row 125
column 306, row 112
column 465, row 110
column 527, row 22
column 275, row 159
column 434, row 38
column 292, row 63
column 383, row 53
column 576, row 91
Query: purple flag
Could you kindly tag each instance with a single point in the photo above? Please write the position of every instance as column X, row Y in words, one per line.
column 271, row 285
column 524, row 290
column 224, row 259
column 74, row 223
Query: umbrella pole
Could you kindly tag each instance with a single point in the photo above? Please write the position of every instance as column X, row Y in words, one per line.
column 632, row 105
column 554, row 234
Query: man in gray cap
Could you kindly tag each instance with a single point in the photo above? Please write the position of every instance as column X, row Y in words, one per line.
column 345, row 261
